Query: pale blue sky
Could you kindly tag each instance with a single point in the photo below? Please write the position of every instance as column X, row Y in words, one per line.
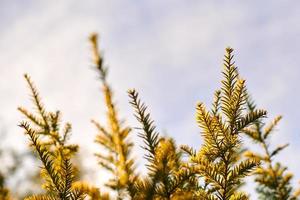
column 171, row 51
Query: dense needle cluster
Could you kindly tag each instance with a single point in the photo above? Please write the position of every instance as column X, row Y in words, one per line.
column 50, row 143
column 215, row 171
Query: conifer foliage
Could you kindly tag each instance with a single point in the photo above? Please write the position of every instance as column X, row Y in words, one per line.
column 113, row 138
column 50, row 143
column 214, row 171
column 273, row 180
column 168, row 177
column 219, row 161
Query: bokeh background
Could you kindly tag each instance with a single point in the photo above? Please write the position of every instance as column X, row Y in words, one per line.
column 170, row 51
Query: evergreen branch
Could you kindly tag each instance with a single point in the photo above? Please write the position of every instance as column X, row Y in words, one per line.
column 67, row 130
column 108, row 166
column 211, row 172
column 278, row 149
column 272, row 180
column 37, row 101
column 150, row 136
column 238, row 102
column 102, row 130
column 36, row 120
column 213, row 145
column 221, row 150
column 188, row 150
column 83, row 188
column 254, row 156
column 268, row 129
column 167, row 164
column 68, row 177
column 253, row 134
column 44, row 156
column 114, row 138
column 178, row 180
column 242, row 170
column 230, row 78
column 98, row 59
column 216, row 103
column 77, row 195
column 249, row 119
column 146, row 188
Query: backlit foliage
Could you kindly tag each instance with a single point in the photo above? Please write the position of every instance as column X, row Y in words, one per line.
column 217, row 169
column 214, row 171
column 273, row 180
column 50, row 143
column 113, row 138
column 168, row 177
column 219, row 162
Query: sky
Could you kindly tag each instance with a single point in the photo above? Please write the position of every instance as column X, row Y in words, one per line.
column 170, row 51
